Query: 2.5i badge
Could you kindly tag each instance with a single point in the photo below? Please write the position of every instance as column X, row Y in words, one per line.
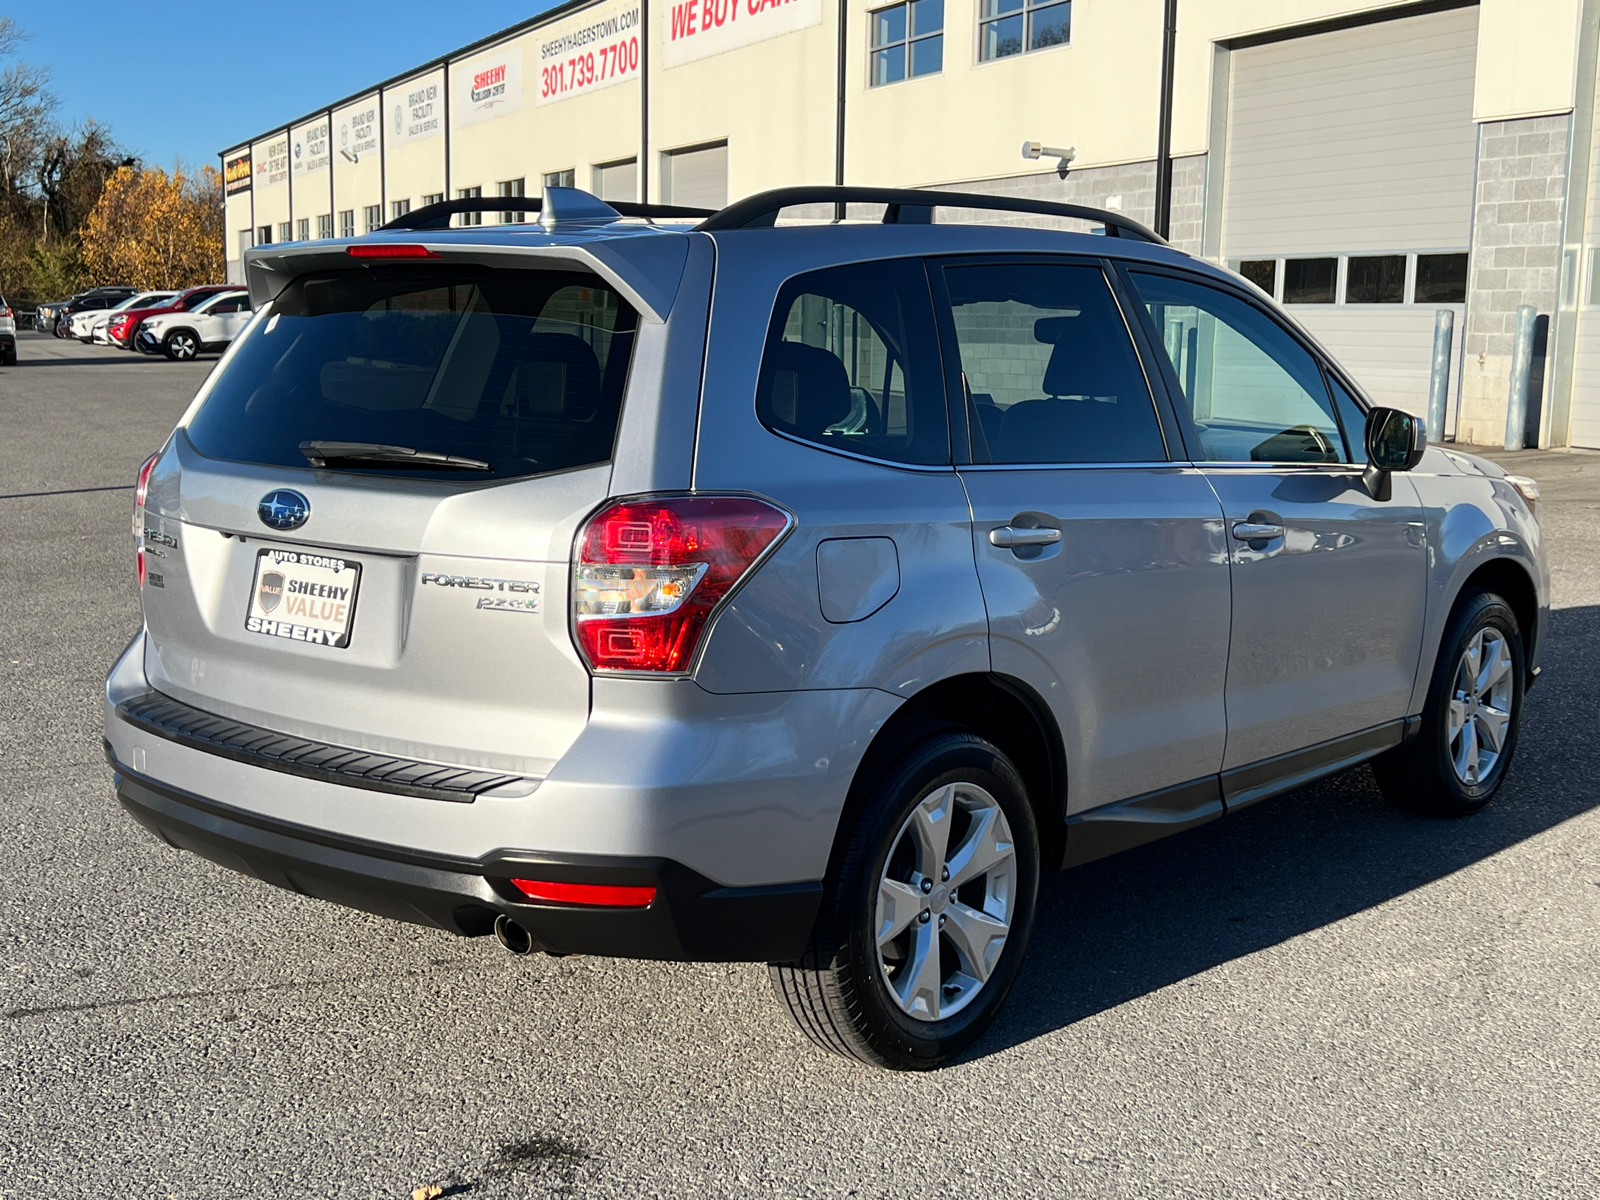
column 304, row 596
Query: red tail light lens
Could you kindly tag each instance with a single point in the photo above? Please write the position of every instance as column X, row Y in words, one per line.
column 649, row 573
column 388, row 250
column 597, row 895
column 140, row 491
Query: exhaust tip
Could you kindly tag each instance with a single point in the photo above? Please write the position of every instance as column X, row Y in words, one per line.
column 513, row 936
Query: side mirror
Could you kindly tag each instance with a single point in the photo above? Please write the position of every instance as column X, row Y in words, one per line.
column 1395, row 442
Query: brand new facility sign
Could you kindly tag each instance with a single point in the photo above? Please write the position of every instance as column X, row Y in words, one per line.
column 696, row 29
column 415, row 110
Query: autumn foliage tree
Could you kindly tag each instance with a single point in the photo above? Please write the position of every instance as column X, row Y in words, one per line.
column 155, row 230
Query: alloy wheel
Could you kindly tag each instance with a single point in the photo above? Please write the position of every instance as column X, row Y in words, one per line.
column 183, row 346
column 946, row 901
column 1480, row 707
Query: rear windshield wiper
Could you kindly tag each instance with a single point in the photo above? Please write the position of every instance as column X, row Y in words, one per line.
column 320, row 454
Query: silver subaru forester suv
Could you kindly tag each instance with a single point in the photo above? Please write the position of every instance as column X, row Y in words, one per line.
column 791, row 593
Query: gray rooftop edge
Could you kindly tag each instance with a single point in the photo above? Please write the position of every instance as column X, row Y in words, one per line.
column 443, row 60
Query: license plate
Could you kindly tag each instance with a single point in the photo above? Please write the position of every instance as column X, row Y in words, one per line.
column 304, row 596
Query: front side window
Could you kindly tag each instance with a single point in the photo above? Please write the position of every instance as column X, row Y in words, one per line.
column 852, row 363
column 1255, row 393
column 907, row 41
column 515, row 373
column 1050, row 372
column 1008, row 27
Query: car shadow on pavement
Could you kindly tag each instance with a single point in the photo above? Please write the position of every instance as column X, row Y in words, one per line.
column 1117, row 929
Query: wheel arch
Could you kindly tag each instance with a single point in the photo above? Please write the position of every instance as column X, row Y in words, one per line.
column 1508, row 578
column 999, row 708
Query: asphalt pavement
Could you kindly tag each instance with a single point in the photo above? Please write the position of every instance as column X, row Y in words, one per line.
column 1319, row 996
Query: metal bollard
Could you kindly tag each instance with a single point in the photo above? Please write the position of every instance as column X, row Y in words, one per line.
column 1521, row 368
column 1444, row 322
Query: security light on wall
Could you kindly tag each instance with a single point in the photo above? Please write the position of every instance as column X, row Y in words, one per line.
column 1039, row 150
column 355, row 158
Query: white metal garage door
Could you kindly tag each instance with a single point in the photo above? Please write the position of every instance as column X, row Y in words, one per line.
column 695, row 178
column 1359, row 144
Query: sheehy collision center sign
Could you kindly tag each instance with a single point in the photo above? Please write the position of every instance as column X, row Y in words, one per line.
column 595, row 51
column 487, row 87
column 696, row 29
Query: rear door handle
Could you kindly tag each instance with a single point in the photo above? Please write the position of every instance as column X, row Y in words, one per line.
column 1008, row 536
column 1253, row 531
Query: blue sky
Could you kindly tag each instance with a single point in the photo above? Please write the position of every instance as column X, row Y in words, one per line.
column 185, row 79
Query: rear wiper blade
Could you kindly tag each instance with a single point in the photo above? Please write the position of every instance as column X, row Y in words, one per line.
column 321, row 453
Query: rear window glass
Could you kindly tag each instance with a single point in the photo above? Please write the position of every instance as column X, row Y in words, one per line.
column 518, row 372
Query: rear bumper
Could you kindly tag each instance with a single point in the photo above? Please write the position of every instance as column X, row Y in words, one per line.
column 691, row 918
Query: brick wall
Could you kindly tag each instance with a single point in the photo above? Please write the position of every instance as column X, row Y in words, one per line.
column 1516, row 254
column 1129, row 189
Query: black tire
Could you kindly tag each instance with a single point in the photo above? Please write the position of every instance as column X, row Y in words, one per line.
column 839, row 993
column 1422, row 775
column 181, row 346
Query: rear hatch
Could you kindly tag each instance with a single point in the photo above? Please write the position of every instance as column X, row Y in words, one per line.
column 361, row 532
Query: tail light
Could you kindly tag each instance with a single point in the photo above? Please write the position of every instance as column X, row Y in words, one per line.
column 596, row 895
column 4, row 312
column 140, row 491
column 649, row 574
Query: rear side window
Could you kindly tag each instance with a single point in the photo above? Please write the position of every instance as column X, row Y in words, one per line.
column 852, row 363
column 1051, row 374
column 519, row 372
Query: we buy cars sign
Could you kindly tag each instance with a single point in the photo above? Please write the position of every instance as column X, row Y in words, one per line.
column 696, row 29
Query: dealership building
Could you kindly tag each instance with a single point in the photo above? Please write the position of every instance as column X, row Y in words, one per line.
column 1370, row 164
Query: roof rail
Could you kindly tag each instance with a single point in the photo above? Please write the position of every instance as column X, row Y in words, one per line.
column 910, row 206
column 437, row 216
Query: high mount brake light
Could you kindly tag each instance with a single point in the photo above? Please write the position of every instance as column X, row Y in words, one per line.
column 388, row 250
column 649, row 573
column 140, row 491
column 599, row 895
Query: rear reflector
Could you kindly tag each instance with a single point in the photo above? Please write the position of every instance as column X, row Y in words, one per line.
column 388, row 250
column 596, row 895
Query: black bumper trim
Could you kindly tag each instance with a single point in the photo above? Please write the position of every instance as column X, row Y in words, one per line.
column 200, row 730
column 692, row 918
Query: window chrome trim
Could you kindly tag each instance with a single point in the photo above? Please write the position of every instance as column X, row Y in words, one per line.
column 866, row 458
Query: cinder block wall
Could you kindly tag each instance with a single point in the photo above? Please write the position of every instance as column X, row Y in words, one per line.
column 1516, row 258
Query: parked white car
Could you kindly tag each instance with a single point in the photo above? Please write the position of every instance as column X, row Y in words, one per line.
column 209, row 326
column 8, row 334
column 98, row 334
column 84, row 325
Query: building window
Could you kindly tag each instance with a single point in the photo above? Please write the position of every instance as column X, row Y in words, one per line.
column 285, row 231
column 469, row 218
column 1310, row 280
column 398, row 209
column 618, row 180
column 1263, row 272
column 264, row 236
column 511, row 187
column 1441, row 279
column 567, row 178
column 432, row 198
column 302, row 229
column 1007, row 27
column 347, row 223
column 907, row 40
column 325, row 226
column 1380, row 279
column 372, row 217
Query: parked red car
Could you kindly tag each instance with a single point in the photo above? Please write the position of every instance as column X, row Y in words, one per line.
column 125, row 325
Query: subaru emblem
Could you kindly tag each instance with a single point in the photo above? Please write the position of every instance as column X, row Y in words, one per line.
column 284, row 509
